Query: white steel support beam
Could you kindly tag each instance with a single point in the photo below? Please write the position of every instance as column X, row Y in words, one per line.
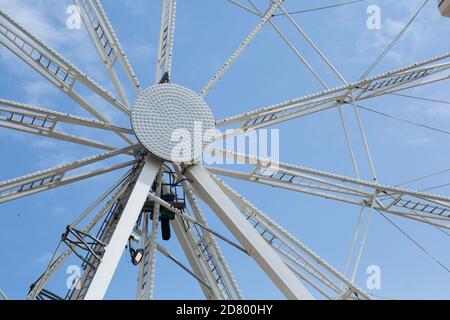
column 114, row 250
column 418, row 74
column 256, row 246
column 226, row 281
column 16, row 123
column 247, row 41
column 368, row 219
column 313, row 45
column 47, row 61
column 43, row 122
column 53, row 67
column 107, row 44
column 51, row 118
column 240, row 5
column 413, row 214
column 299, row 55
column 147, row 268
column 229, row 286
column 295, row 254
column 55, row 265
column 166, row 38
column 57, row 176
column 416, row 205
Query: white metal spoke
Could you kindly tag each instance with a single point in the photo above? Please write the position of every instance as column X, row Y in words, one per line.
column 313, row 45
column 240, row 5
column 47, row 61
column 10, row 108
column 297, row 53
column 241, row 48
column 407, row 203
column 107, row 44
column 95, row 282
column 418, row 74
column 362, row 244
column 51, row 133
column 52, row 66
column 358, row 224
column 166, row 38
column 258, row 248
column 296, row 253
column 57, row 176
column 43, row 122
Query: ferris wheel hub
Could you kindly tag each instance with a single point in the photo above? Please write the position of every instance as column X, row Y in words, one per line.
column 173, row 122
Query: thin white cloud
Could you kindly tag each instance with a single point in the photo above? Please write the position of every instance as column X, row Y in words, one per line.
column 416, row 141
column 45, row 258
column 46, row 20
column 426, row 31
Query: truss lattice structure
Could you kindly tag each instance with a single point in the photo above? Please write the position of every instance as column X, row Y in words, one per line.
column 162, row 192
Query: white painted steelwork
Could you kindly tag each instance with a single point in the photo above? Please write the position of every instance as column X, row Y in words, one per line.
column 172, row 122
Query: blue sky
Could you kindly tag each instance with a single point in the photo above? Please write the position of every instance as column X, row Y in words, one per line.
column 206, row 34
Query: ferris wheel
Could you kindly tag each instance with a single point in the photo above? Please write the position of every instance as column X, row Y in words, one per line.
column 167, row 184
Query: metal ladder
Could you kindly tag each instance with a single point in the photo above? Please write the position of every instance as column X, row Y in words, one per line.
column 301, row 180
column 59, row 72
column 148, row 263
column 422, row 207
column 38, row 183
column 165, row 33
column 209, row 257
column 92, row 16
column 27, row 120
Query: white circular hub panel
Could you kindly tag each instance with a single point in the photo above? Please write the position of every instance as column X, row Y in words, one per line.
column 173, row 123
